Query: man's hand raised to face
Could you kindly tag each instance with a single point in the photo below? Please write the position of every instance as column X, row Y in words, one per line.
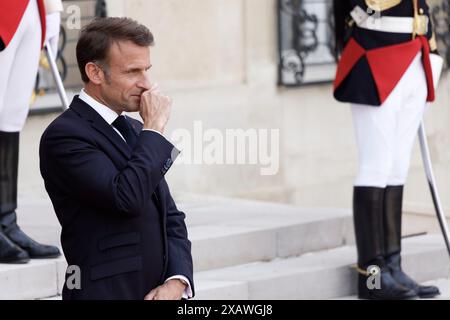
column 155, row 109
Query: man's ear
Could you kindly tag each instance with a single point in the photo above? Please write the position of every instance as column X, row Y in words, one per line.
column 94, row 73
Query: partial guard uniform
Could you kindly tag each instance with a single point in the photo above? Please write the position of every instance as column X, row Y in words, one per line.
column 386, row 74
column 373, row 62
column 11, row 13
column 22, row 35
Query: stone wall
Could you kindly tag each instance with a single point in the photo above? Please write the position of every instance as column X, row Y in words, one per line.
column 218, row 59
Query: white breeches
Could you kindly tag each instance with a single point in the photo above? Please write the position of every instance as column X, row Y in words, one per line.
column 19, row 64
column 385, row 135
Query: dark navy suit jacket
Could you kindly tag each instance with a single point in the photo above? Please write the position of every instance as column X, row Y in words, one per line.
column 120, row 225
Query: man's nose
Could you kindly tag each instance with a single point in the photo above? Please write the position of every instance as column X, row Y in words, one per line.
column 144, row 83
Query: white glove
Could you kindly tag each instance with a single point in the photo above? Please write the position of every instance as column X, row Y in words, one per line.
column 53, row 22
column 53, row 6
column 437, row 63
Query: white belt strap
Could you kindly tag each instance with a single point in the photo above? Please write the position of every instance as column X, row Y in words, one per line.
column 384, row 24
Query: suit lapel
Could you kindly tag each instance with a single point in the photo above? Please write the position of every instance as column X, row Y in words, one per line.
column 99, row 124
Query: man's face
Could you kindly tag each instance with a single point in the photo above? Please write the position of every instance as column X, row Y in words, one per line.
column 126, row 76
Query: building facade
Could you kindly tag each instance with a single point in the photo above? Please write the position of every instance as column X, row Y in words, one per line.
column 264, row 65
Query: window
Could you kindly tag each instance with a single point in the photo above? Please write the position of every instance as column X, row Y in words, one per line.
column 305, row 42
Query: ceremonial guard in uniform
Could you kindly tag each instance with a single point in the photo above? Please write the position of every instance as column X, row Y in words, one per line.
column 22, row 35
column 385, row 73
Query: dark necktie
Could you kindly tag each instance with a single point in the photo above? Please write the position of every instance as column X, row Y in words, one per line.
column 126, row 130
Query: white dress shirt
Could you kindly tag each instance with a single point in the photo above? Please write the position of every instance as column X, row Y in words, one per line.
column 110, row 116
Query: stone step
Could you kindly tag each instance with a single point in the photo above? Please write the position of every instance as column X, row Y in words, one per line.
column 224, row 232
column 237, row 291
column 319, row 275
column 443, row 285
column 232, row 239
column 238, row 232
column 34, row 280
column 325, row 274
column 245, row 231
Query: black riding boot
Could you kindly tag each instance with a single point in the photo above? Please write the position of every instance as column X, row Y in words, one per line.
column 20, row 247
column 393, row 231
column 367, row 217
column 9, row 251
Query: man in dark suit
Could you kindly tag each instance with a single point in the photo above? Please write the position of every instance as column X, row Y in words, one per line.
column 104, row 173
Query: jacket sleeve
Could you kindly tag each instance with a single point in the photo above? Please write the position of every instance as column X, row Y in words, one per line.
column 179, row 246
column 79, row 168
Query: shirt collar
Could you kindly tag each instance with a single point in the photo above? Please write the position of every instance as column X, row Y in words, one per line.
column 106, row 113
